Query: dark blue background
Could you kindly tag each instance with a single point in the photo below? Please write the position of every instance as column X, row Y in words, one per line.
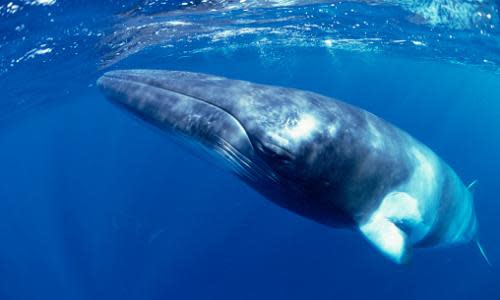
column 96, row 205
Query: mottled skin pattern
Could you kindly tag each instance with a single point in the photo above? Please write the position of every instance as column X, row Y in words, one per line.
column 319, row 157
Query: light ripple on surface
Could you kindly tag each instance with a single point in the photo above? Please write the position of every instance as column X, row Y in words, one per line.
column 428, row 31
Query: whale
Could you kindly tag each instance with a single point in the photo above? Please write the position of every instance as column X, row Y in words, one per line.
column 321, row 158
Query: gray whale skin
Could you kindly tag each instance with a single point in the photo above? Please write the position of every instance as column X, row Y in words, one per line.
column 321, row 158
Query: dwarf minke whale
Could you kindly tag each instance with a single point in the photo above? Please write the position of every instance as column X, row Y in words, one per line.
column 321, row 158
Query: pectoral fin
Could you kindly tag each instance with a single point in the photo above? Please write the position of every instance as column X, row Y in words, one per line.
column 383, row 228
column 388, row 239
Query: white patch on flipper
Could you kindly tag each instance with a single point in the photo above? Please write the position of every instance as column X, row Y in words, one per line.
column 400, row 208
column 388, row 238
column 382, row 229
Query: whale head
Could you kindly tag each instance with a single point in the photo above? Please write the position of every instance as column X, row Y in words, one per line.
column 165, row 99
column 271, row 124
column 267, row 135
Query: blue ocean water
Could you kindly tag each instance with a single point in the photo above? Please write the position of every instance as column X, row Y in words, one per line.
column 96, row 205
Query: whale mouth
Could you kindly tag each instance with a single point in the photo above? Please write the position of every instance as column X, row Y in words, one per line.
column 162, row 98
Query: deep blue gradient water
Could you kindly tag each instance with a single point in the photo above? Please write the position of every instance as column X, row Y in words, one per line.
column 96, row 205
